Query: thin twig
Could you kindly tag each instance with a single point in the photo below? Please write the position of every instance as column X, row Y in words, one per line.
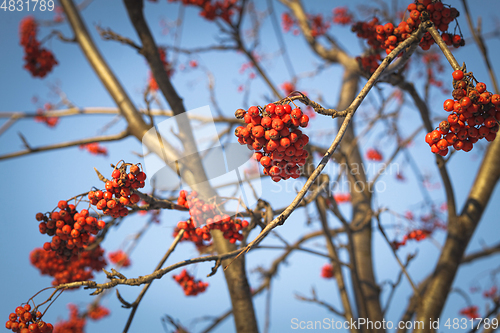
column 135, row 305
column 403, row 268
column 30, row 150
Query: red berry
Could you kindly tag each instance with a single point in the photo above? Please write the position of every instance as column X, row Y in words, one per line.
column 258, row 131
column 116, row 173
column 304, row 120
column 449, row 105
column 495, row 99
column 428, row 138
column 285, row 142
column 141, row 176
column 436, row 136
column 465, row 102
column 270, row 108
column 278, row 124
column 481, row 87
column 442, row 144
column 388, row 28
column 253, row 111
column 458, row 75
column 279, row 110
column 296, row 113
column 265, row 161
column 134, row 198
column 134, row 169
column 266, row 122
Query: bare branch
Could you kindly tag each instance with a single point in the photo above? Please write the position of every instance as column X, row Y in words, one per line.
column 481, row 254
column 109, row 34
column 476, row 33
column 314, row 299
column 31, row 150
column 135, row 305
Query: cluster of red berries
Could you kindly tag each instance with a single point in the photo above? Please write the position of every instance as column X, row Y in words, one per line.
column 470, row 312
column 387, row 37
column 475, row 113
column 24, row 320
column 318, row 25
column 95, row 148
column 327, row 271
column 274, row 130
column 153, row 85
column 80, row 268
column 189, row 284
column 416, row 235
column 373, row 154
column 213, row 9
column 119, row 258
column 342, row 197
column 97, row 312
column 491, row 293
column 342, row 16
column 287, row 23
column 75, row 324
column 118, row 192
column 49, row 121
column 204, row 218
column 70, row 230
column 39, row 61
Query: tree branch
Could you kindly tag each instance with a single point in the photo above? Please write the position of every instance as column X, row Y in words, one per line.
column 31, row 150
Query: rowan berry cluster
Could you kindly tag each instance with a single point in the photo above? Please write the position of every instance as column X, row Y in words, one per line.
column 342, row 197
column 24, row 320
column 373, row 154
column 342, row 16
column 118, row 192
column 318, row 25
column 287, row 23
column 95, row 149
column 70, row 230
column 153, row 85
column 327, row 271
column 41, row 118
column 38, row 61
column 204, row 217
column 417, row 235
column 274, row 135
column 491, row 293
column 97, row 312
column 470, row 312
column 189, row 284
column 387, row 37
column 75, row 324
column 474, row 115
column 213, row 9
column 79, row 268
column 119, row 258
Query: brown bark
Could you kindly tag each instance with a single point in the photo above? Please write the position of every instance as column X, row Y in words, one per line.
column 368, row 296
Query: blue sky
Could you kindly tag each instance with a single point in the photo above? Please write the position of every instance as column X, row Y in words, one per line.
column 37, row 182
